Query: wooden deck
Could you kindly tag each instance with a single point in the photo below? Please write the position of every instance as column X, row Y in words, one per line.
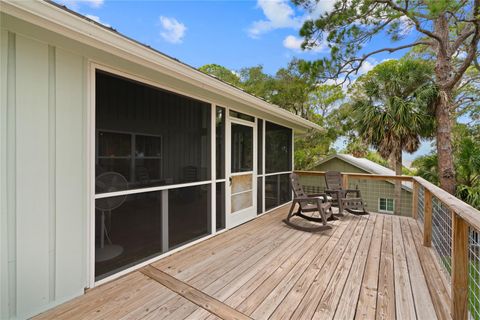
column 364, row 268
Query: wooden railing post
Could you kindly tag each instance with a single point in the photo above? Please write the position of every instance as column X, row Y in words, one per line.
column 427, row 219
column 459, row 268
column 345, row 181
column 415, row 200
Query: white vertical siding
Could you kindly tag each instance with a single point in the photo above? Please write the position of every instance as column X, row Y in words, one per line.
column 4, row 292
column 71, row 198
column 43, row 218
column 32, row 180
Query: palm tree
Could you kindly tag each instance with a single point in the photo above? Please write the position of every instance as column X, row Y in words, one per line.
column 391, row 108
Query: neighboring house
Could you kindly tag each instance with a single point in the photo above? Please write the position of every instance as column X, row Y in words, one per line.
column 114, row 155
column 378, row 195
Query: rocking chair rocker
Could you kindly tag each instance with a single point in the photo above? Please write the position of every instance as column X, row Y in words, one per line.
column 340, row 199
column 308, row 206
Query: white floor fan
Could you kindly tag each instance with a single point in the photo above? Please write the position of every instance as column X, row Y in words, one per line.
column 108, row 182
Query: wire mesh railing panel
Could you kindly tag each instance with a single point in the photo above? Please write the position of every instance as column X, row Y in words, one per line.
column 378, row 195
column 421, row 203
column 442, row 234
column 474, row 274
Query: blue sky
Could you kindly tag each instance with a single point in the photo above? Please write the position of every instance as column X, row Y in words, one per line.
column 234, row 34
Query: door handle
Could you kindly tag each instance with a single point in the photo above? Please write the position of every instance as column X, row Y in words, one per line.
column 230, row 179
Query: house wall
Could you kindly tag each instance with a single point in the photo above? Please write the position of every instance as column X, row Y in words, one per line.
column 371, row 190
column 43, row 175
column 44, row 162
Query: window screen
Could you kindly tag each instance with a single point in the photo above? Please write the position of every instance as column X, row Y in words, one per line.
column 150, row 136
column 277, row 190
column 278, row 148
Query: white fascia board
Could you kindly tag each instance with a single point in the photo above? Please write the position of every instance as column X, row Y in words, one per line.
column 59, row 20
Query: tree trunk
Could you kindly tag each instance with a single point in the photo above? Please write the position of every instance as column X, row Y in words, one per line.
column 446, row 169
column 398, row 183
column 443, row 107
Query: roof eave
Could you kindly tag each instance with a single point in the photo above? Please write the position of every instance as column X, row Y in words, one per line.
column 55, row 18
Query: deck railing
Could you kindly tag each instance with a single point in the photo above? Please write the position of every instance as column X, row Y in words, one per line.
column 450, row 228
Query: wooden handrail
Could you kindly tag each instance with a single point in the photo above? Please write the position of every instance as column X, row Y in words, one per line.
column 464, row 210
column 356, row 175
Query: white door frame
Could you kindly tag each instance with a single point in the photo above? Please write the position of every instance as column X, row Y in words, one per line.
column 244, row 215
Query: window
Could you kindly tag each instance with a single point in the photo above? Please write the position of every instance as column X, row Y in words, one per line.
column 386, row 205
column 243, row 116
column 242, row 148
column 260, row 146
column 220, row 142
column 278, row 148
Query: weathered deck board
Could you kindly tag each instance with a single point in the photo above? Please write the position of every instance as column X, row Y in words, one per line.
column 350, row 295
column 366, row 267
column 404, row 305
column 386, row 283
column 421, row 296
column 367, row 300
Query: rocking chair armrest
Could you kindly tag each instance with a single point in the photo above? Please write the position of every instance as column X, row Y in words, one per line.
column 328, row 191
column 357, row 191
column 322, row 196
column 314, row 195
column 302, row 199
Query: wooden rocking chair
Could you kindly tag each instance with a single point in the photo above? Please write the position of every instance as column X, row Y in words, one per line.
column 308, row 206
column 340, row 199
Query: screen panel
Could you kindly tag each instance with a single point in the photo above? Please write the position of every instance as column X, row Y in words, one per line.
column 277, row 190
column 188, row 214
column 128, row 230
column 278, row 148
column 150, row 136
column 220, row 142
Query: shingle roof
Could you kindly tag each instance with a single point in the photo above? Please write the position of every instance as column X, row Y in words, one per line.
column 366, row 165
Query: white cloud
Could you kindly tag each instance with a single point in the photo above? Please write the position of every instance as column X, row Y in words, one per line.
column 94, row 3
column 406, row 25
column 367, row 65
column 321, row 7
column 97, row 19
column 173, row 31
column 278, row 14
column 294, row 43
column 75, row 3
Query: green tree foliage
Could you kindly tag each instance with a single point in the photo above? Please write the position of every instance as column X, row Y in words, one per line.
column 325, row 98
column 427, row 167
column 390, row 106
column 256, row 82
column 221, row 73
column 293, row 90
column 446, row 27
column 467, row 164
